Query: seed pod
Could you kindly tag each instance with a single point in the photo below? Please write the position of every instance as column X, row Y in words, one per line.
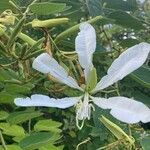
column 36, row 53
column 26, row 38
column 24, row 50
column 48, row 23
column 37, row 45
column 15, row 32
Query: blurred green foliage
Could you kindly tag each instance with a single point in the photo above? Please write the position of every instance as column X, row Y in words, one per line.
column 119, row 25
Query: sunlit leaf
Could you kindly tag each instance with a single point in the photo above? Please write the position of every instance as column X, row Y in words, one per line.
column 12, row 130
column 35, row 140
column 22, row 116
column 47, row 8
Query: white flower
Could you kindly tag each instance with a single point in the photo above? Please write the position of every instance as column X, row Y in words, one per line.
column 122, row 108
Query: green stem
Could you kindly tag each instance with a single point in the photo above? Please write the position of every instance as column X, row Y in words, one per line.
column 29, row 126
column 130, row 132
column 3, row 141
column 117, row 89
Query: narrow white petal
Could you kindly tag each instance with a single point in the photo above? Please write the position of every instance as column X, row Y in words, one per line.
column 125, row 109
column 42, row 100
column 85, row 44
column 46, row 64
column 127, row 62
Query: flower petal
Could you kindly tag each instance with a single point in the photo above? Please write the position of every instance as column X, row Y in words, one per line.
column 125, row 109
column 85, row 44
column 127, row 62
column 43, row 100
column 46, row 64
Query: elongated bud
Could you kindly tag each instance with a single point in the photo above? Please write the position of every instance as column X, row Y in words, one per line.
column 49, row 23
column 26, row 39
column 23, row 50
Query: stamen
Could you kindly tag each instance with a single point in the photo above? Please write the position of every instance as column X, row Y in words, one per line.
column 83, row 110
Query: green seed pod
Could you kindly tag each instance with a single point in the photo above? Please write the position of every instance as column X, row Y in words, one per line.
column 24, row 50
column 36, row 53
column 15, row 32
column 74, row 29
column 37, row 45
column 48, row 23
column 91, row 80
column 26, row 39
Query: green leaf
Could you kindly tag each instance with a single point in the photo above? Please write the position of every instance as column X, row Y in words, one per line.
column 19, row 138
column 51, row 147
column 47, row 125
column 4, row 75
column 126, row 20
column 47, row 8
column 125, row 5
column 129, row 42
column 9, row 75
column 3, row 115
column 12, row 130
column 145, row 143
column 19, row 117
column 11, row 147
column 35, row 140
column 16, row 88
column 142, row 97
column 94, row 7
column 142, row 76
column 6, row 97
column 4, row 4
